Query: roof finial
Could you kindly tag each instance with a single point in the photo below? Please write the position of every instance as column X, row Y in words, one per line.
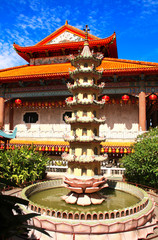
column 66, row 22
column 86, row 29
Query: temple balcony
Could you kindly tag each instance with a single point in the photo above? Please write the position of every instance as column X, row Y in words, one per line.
column 85, row 120
column 83, row 158
column 85, row 85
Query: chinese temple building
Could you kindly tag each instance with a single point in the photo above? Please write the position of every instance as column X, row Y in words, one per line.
column 32, row 96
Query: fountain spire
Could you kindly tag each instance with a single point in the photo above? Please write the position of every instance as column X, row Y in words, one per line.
column 85, row 180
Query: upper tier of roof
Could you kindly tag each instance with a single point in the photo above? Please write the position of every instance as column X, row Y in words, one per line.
column 66, row 38
column 110, row 66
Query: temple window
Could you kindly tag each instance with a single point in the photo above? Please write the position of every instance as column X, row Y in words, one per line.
column 68, row 114
column 75, row 113
column 85, row 95
column 95, row 151
column 96, row 171
column 85, row 79
column 72, row 151
column 84, row 151
column 95, row 132
column 74, row 132
column 86, row 65
column 94, row 96
column 94, row 113
column 84, row 171
column 84, row 113
column 30, row 117
column 84, row 132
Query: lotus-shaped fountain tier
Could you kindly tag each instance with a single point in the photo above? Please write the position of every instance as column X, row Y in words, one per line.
column 84, row 190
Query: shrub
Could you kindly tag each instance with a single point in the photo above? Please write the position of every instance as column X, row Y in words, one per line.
column 20, row 165
column 142, row 165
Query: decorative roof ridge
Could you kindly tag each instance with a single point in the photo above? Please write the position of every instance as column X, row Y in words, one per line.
column 64, row 27
column 129, row 61
column 44, row 47
column 13, row 68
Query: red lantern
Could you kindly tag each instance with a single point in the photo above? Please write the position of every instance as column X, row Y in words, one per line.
column 106, row 149
column 18, row 101
column 121, row 150
column 63, row 149
column 113, row 150
column 125, row 98
column 50, row 149
column 129, row 150
column 152, row 97
column 106, row 98
column 69, row 99
column 56, row 149
column 43, row 148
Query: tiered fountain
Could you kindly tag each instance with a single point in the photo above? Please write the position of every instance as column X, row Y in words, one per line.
column 131, row 214
column 83, row 159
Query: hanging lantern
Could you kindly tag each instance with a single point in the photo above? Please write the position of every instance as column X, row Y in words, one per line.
column 121, row 150
column 106, row 149
column 40, row 149
column 53, row 149
column 125, row 150
column 63, row 149
column 102, row 150
column 132, row 150
column 117, row 150
column 106, row 98
column 18, row 101
column 153, row 97
column 13, row 148
column 60, row 103
column 125, row 98
column 66, row 149
column 113, row 150
column 59, row 149
column 63, row 103
column 110, row 150
column 37, row 148
column 56, row 148
column 53, row 104
column 43, row 149
column 49, row 149
column 129, row 150
column 46, row 149
column 69, row 99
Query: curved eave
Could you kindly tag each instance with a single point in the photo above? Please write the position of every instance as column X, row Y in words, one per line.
column 25, row 52
column 108, row 72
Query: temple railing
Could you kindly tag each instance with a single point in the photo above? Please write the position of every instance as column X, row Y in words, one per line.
column 59, row 130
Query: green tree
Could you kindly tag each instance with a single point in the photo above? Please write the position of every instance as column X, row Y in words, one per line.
column 142, row 165
column 22, row 165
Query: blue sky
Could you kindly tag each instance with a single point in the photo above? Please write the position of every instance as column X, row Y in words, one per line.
column 26, row 22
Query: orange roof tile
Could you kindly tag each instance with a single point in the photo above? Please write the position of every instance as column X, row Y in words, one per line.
column 109, row 66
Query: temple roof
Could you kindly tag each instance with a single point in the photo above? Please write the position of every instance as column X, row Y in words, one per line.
column 66, row 38
column 109, row 66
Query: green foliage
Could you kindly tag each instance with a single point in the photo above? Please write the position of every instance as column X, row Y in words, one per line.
column 22, row 165
column 13, row 222
column 142, row 165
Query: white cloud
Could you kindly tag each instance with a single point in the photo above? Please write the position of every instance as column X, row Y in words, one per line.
column 8, row 56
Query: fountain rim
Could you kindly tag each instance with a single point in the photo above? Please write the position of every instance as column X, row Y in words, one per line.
column 144, row 205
